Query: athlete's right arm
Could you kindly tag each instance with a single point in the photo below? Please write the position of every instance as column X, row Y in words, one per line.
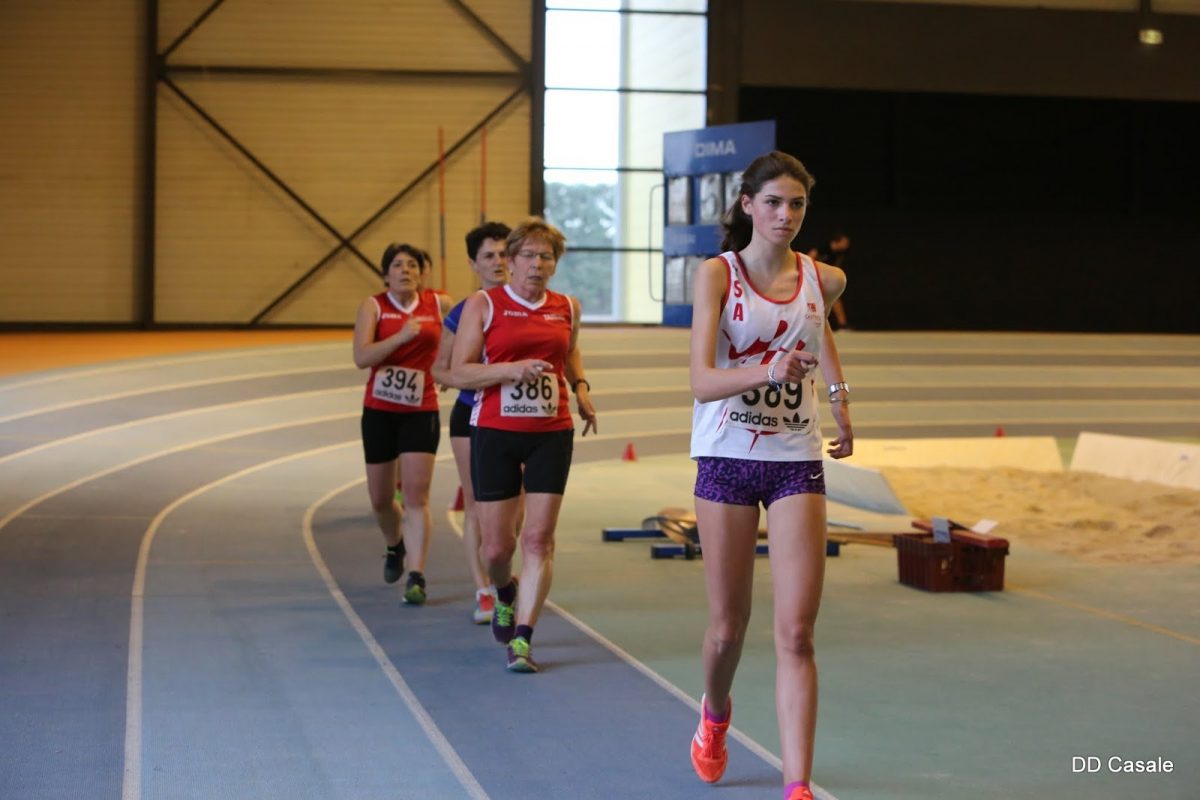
column 467, row 370
column 708, row 382
column 367, row 351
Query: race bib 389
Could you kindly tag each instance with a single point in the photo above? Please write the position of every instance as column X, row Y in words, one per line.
column 775, row 410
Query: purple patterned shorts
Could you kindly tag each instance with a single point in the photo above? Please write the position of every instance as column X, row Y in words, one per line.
column 741, row 482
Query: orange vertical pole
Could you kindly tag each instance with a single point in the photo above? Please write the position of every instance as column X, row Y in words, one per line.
column 442, row 202
column 483, row 175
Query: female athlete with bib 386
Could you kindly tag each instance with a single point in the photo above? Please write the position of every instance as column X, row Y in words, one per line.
column 758, row 331
column 396, row 334
column 519, row 343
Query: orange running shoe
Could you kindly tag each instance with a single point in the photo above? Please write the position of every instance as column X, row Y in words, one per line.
column 485, row 603
column 801, row 793
column 709, row 756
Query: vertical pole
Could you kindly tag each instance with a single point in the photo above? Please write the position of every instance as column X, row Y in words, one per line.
column 483, row 175
column 153, row 69
column 442, row 202
column 537, row 110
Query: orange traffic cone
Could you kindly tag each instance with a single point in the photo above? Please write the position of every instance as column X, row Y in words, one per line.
column 629, row 454
column 457, row 505
column 999, row 430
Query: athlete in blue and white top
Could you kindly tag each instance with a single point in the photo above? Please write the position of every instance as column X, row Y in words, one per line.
column 758, row 334
column 488, row 259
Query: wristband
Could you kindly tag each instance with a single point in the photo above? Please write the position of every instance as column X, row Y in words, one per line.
column 774, row 384
column 840, row 386
column 575, row 385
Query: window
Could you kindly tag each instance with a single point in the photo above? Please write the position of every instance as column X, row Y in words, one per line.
column 618, row 76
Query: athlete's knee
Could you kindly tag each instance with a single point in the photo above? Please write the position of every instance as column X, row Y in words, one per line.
column 416, row 494
column 794, row 638
column 537, row 541
column 497, row 549
column 728, row 631
column 383, row 503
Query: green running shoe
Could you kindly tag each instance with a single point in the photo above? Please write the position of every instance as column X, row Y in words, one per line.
column 414, row 591
column 519, row 657
column 504, row 619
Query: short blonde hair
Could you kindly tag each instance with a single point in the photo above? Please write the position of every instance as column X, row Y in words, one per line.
column 536, row 228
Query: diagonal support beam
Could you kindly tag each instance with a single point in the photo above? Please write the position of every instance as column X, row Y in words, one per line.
column 495, row 112
column 190, row 29
column 503, row 46
column 265, row 170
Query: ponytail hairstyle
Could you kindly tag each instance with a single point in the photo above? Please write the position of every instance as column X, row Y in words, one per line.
column 736, row 224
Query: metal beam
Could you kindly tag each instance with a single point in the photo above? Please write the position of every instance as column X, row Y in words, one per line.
column 512, row 55
column 346, row 73
column 530, row 74
column 385, row 208
column 149, row 177
column 189, row 30
column 275, row 179
column 537, row 110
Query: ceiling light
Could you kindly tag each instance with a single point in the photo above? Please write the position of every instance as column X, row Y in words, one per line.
column 1150, row 36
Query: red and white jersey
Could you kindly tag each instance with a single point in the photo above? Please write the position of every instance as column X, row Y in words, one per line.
column 514, row 330
column 764, row 424
column 404, row 381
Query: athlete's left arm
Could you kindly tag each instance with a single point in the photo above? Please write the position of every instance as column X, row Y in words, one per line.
column 445, row 303
column 574, row 373
column 833, row 283
column 441, row 364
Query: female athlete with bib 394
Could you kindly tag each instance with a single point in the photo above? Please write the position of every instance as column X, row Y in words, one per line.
column 396, row 335
column 758, row 333
column 519, row 343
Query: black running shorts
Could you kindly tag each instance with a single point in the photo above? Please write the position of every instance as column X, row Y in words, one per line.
column 460, row 421
column 502, row 460
column 387, row 434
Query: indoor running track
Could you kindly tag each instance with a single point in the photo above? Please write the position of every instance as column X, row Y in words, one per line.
column 191, row 606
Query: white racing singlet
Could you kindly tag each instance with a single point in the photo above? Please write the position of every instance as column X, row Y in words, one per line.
column 764, row 424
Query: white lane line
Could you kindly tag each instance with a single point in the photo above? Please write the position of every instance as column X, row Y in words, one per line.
column 169, row 451
column 167, row 387
column 251, row 431
column 455, row 763
column 131, row 786
column 161, row 362
column 175, row 415
column 749, row 743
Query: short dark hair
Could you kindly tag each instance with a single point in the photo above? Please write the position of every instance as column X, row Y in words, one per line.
column 390, row 252
column 488, row 230
column 426, row 261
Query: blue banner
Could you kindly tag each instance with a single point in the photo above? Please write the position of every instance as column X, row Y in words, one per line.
column 721, row 148
column 702, row 174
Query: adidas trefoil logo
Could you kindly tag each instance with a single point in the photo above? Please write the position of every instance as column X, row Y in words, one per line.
column 795, row 424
